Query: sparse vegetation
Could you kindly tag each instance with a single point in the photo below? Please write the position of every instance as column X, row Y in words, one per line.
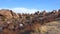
column 37, row 23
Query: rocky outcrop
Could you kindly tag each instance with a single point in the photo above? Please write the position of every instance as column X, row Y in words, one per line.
column 8, row 13
column 13, row 23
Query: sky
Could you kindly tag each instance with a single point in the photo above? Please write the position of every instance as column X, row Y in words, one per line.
column 29, row 6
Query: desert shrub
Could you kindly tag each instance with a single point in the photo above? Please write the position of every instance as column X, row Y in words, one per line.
column 27, row 17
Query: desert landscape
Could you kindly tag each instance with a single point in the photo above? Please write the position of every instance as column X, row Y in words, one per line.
column 36, row 23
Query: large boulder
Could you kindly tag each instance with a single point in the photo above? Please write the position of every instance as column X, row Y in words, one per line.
column 8, row 13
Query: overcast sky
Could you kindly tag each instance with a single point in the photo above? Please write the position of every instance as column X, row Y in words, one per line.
column 29, row 6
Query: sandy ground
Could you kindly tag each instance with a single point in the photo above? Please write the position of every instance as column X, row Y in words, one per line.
column 53, row 27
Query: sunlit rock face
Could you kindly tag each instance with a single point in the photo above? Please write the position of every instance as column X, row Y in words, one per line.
column 8, row 13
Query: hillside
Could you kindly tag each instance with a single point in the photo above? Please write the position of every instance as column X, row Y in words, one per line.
column 37, row 23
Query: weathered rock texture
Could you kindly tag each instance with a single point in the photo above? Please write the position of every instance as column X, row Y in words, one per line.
column 8, row 13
